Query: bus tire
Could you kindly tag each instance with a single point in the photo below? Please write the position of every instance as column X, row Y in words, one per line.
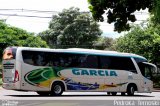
column 108, row 93
column 57, row 88
column 123, row 93
column 131, row 89
column 41, row 93
column 114, row 93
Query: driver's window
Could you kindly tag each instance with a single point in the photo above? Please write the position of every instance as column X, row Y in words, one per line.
column 146, row 70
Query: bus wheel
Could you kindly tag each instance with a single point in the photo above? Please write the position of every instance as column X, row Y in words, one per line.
column 114, row 93
column 130, row 90
column 41, row 93
column 123, row 93
column 57, row 89
column 108, row 93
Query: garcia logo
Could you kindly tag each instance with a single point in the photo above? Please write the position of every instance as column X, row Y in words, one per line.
column 93, row 72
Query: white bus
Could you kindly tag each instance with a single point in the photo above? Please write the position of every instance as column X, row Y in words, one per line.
column 53, row 71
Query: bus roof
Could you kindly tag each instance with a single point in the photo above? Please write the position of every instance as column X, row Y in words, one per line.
column 103, row 52
column 85, row 51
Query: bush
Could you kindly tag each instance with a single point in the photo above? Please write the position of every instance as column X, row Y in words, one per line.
column 0, row 73
column 156, row 80
column 0, row 70
column 0, row 81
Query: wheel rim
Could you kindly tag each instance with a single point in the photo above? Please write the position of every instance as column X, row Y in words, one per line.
column 57, row 89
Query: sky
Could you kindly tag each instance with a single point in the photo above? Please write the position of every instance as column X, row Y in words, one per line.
column 36, row 25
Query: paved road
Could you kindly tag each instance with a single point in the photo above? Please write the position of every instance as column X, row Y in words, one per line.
column 17, row 98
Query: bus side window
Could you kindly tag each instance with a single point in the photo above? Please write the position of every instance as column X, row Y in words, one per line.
column 39, row 58
column 104, row 62
column 27, row 57
column 35, row 58
column 90, row 61
column 117, row 63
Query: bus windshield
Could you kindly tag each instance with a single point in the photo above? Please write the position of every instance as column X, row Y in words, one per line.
column 147, row 69
column 9, row 53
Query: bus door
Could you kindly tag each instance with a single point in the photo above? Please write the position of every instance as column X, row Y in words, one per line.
column 147, row 70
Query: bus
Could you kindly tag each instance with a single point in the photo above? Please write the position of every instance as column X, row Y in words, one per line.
column 54, row 71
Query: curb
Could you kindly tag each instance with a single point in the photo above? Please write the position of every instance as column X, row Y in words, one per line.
column 156, row 90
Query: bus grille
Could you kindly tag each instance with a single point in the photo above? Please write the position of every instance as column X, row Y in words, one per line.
column 8, row 66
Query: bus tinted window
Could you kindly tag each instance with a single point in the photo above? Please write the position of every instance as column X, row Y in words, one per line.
column 90, row 61
column 117, row 63
column 9, row 53
column 63, row 59
column 139, row 60
column 35, row 58
column 146, row 70
column 55, row 59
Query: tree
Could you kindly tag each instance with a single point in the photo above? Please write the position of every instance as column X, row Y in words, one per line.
column 156, row 11
column 142, row 41
column 120, row 12
column 104, row 43
column 12, row 36
column 71, row 28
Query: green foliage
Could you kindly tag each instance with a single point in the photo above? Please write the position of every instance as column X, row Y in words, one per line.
column 156, row 11
column 71, row 28
column 12, row 36
column 142, row 41
column 0, row 81
column 120, row 12
column 0, row 73
column 156, row 80
column 0, row 70
column 104, row 43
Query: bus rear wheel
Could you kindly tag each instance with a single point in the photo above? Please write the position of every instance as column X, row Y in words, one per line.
column 57, row 89
column 123, row 93
column 108, row 93
column 130, row 90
